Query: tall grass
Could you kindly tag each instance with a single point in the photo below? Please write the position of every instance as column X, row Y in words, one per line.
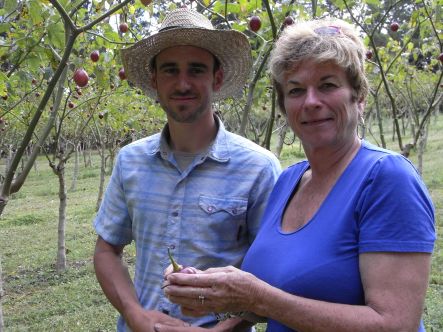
column 39, row 299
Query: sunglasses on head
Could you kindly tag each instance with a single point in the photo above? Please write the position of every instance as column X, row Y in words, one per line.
column 330, row 30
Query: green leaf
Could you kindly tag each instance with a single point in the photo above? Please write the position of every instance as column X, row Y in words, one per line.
column 35, row 11
column 374, row 3
column 4, row 27
column 56, row 35
column 10, row 5
column 3, row 81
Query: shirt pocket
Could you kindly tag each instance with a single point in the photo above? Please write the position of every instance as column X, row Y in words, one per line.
column 212, row 205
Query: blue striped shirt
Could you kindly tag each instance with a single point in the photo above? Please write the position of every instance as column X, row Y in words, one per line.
column 209, row 213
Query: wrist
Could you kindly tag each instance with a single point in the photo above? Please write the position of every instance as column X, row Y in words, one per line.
column 131, row 314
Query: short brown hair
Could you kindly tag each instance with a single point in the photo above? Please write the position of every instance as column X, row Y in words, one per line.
column 320, row 40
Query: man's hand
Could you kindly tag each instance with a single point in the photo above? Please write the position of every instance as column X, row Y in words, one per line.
column 230, row 325
column 145, row 320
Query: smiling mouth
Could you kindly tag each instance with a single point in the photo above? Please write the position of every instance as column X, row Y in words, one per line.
column 316, row 122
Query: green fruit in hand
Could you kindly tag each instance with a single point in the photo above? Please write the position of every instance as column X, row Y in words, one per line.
column 179, row 268
column 175, row 267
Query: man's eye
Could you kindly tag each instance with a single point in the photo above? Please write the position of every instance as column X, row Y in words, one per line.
column 197, row 70
column 170, row 70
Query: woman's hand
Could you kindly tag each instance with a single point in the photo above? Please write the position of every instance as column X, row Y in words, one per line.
column 225, row 289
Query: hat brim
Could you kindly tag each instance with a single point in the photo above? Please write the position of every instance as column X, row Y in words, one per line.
column 230, row 47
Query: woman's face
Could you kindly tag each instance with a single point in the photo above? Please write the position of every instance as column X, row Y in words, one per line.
column 319, row 105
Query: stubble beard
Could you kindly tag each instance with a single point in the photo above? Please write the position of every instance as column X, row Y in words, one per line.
column 184, row 114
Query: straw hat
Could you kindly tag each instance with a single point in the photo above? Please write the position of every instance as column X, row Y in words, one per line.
column 187, row 27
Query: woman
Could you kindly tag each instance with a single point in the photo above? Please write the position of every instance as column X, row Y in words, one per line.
column 346, row 240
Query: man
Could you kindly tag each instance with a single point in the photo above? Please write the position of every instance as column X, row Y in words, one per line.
column 194, row 188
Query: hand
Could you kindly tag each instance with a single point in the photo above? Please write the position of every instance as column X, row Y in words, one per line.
column 174, row 328
column 234, row 325
column 144, row 320
column 226, row 289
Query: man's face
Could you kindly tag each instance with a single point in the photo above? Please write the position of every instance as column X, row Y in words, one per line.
column 185, row 81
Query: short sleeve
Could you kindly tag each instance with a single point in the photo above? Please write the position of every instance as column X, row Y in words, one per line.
column 260, row 194
column 113, row 222
column 395, row 212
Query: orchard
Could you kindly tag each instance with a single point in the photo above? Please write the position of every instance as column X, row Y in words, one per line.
column 63, row 87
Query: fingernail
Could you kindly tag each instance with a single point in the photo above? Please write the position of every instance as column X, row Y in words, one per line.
column 157, row 327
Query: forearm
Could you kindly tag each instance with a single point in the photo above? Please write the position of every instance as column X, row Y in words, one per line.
column 116, row 283
column 305, row 314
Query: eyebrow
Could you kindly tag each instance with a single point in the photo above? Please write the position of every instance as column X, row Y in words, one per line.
column 324, row 78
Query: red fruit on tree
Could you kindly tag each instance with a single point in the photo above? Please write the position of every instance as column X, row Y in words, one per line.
column 288, row 20
column 146, row 2
column 94, row 55
column 122, row 74
column 101, row 115
column 71, row 104
column 440, row 57
column 81, row 77
column 369, row 54
column 394, row 26
column 255, row 23
column 123, row 27
column 34, row 81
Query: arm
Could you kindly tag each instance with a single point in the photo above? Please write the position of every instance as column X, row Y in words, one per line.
column 114, row 279
column 394, row 284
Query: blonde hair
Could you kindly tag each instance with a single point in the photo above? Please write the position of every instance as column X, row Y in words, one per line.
column 320, row 40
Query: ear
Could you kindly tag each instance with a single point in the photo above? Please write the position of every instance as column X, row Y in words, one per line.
column 218, row 80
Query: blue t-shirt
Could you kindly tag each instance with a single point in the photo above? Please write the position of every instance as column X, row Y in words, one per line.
column 379, row 203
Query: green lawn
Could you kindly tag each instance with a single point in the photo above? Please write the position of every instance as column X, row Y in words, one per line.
column 38, row 299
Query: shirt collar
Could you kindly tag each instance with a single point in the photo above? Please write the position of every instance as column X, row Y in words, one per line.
column 218, row 150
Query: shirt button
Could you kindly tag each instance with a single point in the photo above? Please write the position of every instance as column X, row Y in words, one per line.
column 210, row 208
column 175, row 214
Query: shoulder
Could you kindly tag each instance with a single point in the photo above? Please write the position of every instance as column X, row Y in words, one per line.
column 387, row 163
column 239, row 144
column 148, row 145
column 292, row 173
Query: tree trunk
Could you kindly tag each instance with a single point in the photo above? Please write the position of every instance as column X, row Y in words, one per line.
column 421, row 147
column 1, row 296
column 281, row 140
column 62, row 194
column 102, row 176
column 267, row 141
column 379, row 122
column 76, row 168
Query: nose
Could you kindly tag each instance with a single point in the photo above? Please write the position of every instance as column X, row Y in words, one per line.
column 312, row 99
column 183, row 82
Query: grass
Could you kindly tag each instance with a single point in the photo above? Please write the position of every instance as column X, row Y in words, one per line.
column 39, row 299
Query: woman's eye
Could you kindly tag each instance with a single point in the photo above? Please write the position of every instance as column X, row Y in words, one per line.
column 296, row 91
column 328, row 85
